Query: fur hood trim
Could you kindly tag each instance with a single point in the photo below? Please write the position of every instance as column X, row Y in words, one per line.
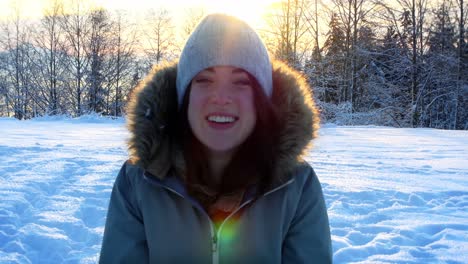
column 153, row 104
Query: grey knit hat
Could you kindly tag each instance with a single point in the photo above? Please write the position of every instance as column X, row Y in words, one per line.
column 222, row 40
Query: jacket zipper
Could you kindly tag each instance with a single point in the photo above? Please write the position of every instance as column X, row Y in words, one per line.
column 214, row 243
column 215, row 238
column 215, row 235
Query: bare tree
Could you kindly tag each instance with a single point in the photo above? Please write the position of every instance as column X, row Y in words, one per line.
column 15, row 43
column 193, row 16
column 288, row 32
column 312, row 18
column 98, row 49
column 353, row 15
column 408, row 18
column 160, row 36
column 440, row 69
column 75, row 24
column 4, row 85
column 122, row 53
column 462, row 60
column 48, row 58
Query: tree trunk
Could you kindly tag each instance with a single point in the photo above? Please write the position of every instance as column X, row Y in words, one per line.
column 461, row 45
column 414, row 83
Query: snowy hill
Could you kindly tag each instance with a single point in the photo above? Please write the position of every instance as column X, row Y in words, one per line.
column 393, row 195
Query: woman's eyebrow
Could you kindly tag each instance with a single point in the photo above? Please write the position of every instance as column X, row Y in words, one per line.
column 211, row 69
column 237, row 70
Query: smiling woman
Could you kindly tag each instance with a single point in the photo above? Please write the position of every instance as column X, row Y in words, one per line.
column 216, row 173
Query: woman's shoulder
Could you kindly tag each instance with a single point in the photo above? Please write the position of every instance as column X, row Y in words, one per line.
column 130, row 174
column 132, row 169
column 304, row 179
column 303, row 172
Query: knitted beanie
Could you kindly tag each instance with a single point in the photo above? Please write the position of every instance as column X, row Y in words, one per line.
column 222, row 40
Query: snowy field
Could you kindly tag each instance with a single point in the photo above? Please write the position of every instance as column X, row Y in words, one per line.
column 393, row 195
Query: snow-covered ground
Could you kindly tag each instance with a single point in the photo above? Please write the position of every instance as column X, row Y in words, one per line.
column 393, row 195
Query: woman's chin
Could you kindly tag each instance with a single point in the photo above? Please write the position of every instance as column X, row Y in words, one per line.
column 221, row 149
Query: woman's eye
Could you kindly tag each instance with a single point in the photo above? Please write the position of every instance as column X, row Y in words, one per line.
column 243, row 82
column 202, row 80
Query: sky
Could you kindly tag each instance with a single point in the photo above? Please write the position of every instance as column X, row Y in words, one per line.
column 248, row 10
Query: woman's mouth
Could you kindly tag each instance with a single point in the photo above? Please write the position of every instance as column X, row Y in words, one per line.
column 217, row 121
column 221, row 119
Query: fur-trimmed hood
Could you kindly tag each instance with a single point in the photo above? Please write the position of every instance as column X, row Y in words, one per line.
column 153, row 105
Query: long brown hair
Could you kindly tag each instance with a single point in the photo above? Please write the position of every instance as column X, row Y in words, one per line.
column 252, row 163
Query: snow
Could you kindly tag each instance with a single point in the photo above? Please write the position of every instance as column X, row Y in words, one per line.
column 393, row 195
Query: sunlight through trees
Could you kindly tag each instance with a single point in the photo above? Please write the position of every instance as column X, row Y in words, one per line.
column 398, row 63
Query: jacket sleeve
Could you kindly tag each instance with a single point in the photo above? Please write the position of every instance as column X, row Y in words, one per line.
column 308, row 239
column 124, row 234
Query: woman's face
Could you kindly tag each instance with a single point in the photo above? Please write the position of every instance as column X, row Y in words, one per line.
column 221, row 109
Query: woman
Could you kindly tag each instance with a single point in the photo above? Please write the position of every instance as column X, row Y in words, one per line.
column 215, row 173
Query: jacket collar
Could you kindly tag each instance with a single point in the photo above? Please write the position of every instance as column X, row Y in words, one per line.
column 176, row 186
column 153, row 104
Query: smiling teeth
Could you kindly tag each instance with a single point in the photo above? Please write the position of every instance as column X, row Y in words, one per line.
column 221, row 119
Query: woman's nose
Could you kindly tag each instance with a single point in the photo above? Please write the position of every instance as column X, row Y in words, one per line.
column 221, row 95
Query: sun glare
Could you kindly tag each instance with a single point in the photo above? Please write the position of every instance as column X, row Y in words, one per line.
column 23, row 8
column 249, row 10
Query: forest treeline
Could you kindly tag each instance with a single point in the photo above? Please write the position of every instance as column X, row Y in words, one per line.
column 399, row 63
